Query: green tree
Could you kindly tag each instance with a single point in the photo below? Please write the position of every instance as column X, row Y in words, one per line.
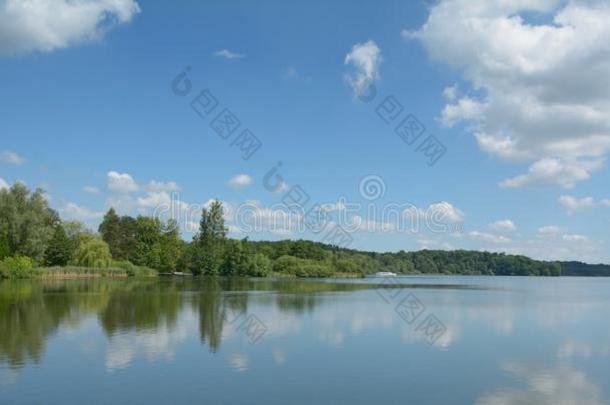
column 4, row 248
column 26, row 221
column 110, row 229
column 210, row 241
column 171, row 245
column 257, row 265
column 59, row 252
column 147, row 250
column 16, row 267
column 77, row 232
column 93, row 253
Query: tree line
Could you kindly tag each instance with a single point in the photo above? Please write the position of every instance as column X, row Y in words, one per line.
column 32, row 234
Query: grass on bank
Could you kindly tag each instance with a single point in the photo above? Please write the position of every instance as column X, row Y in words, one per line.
column 21, row 267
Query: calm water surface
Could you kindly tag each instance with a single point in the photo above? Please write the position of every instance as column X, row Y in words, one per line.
column 430, row 340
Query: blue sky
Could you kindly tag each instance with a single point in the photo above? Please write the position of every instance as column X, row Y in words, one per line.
column 90, row 115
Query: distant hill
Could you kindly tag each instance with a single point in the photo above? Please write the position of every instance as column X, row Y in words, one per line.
column 462, row 262
column 584, row 269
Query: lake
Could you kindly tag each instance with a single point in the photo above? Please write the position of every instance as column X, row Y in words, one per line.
column 417, row 340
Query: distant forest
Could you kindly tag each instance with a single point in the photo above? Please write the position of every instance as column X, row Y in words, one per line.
column 34, row 238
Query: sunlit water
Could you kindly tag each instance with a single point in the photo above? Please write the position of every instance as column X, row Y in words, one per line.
column 435, row 340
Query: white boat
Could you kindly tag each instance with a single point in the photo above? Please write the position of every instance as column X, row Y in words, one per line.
column 385, row 274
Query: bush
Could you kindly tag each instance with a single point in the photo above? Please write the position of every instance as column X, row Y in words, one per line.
column 301, row 267
column 17, row 267
column 314, row 270
column 93, row 253
column 132, row 270
column 258, row 265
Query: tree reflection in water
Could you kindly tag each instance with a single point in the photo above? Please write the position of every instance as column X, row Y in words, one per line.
column 31, row 311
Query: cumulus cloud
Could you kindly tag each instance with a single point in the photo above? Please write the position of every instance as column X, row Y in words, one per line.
column 10, row 157
column 240, row 181
column 549, row 230
column 503, row 225
column 442, row 211
column 532, row 102
column 121, row 182
column 365, row 59
column 76, row 212
column 225, row 53
column 575, row 238
column 488, row 237
column 158, row 186
column 450, row 93
column 45, row 25
column 573, row 204
column 447, row 211
column 554, row 171
column 3, row 184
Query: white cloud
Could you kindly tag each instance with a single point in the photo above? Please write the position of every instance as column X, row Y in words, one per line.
column 450, row 93
column 555, row 171
column 365, row 58
column 575, row 238
column 91, row 190
column 437, row 213
column 154, row 199
column 503, row 225
column 549, row 230
column 121, row 182
column 464, row 109
column 7, row 156
column 606, row 202
column 240, row 181
column 45, row 25
column 254, row 217
column 75, row 212
column 488, row 237
column 3, row 184
column 157, row 186
column 532, row 101
column 573, row 204
column 225, row 53
column 447, row 211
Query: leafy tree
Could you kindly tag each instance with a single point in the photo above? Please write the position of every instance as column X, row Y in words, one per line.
column 4, row 248
column 210, row 241
column 93, row 253
column 110, row 229
column 59, row 252
column 26, row 221
column 212, row 223
column 147, row 251
column 77, row 232
column 234, row 260
column 257, row 265
column 171, row 245
column 16, row 267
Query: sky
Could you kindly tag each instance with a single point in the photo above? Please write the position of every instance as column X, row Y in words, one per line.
column 450, row 124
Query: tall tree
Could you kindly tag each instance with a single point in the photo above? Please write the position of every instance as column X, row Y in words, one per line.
column 26, row 221
column 212, row 224
column 110, row 229
column 210, row 241
column 171, row 245
column 59, row 252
